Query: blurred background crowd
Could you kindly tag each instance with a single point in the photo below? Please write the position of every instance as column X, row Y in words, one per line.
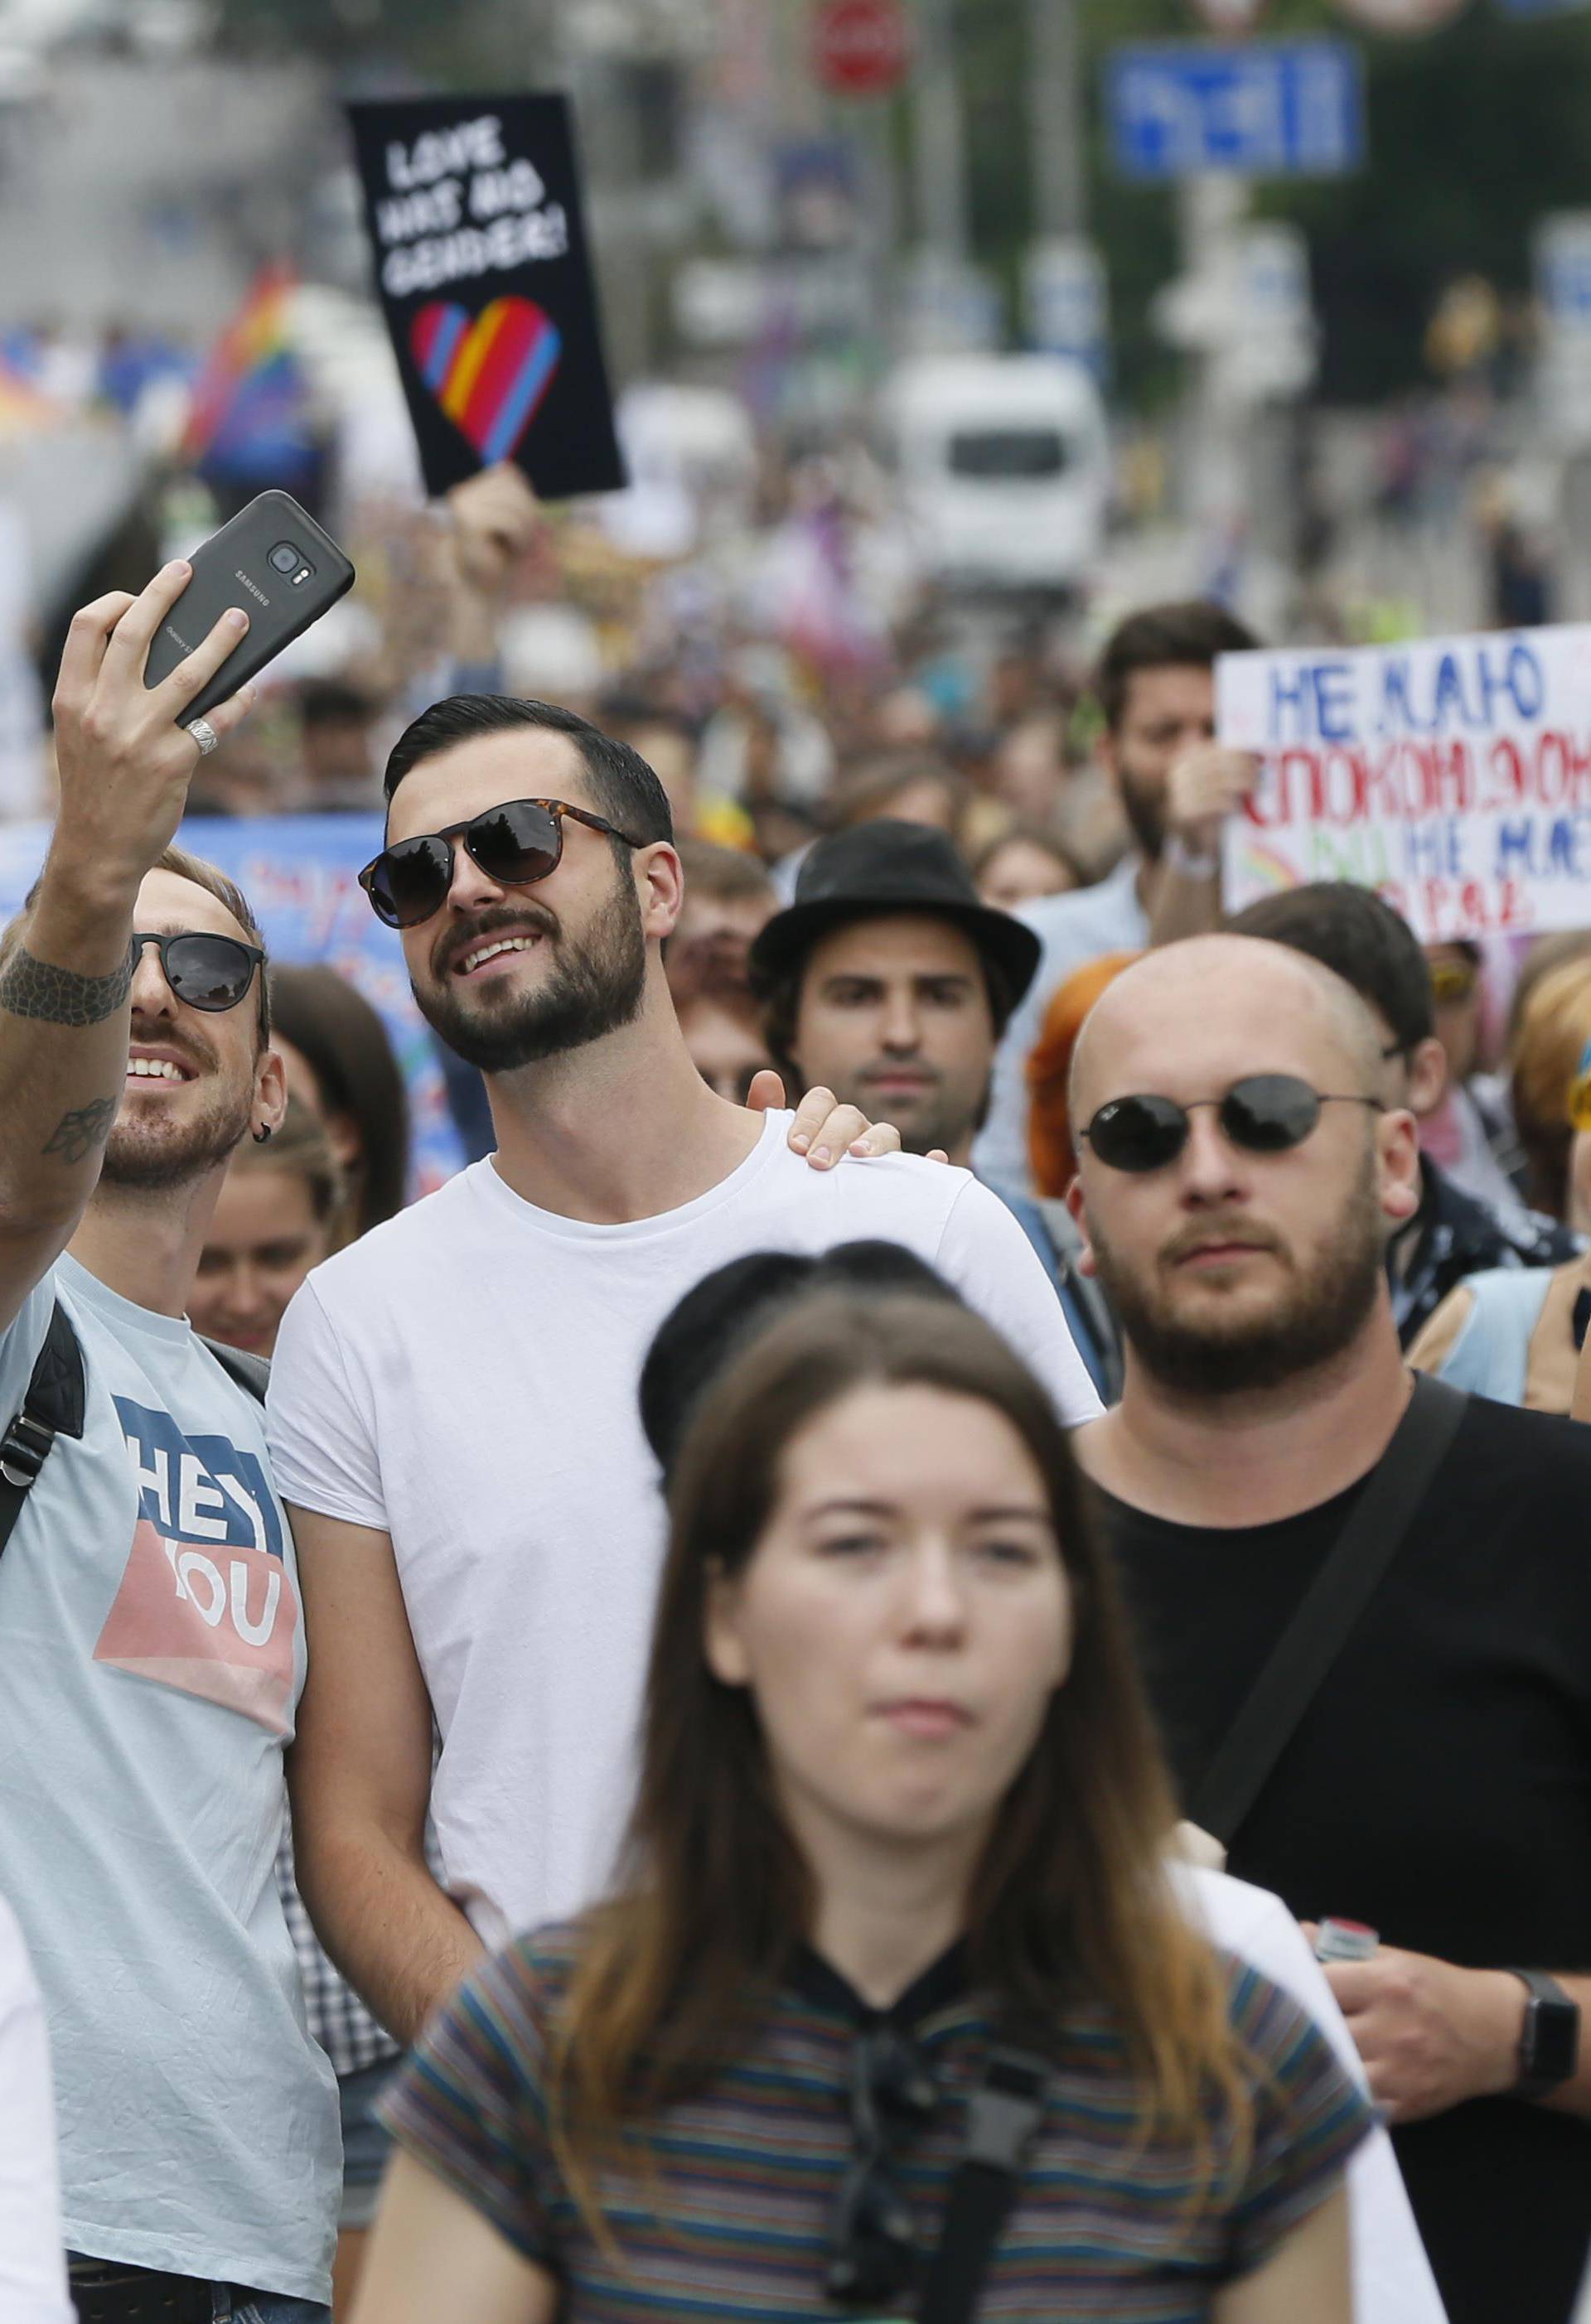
column 932, row 364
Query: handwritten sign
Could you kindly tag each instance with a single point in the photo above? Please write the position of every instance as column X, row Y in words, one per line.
column 1453, row 776
column 473, row 210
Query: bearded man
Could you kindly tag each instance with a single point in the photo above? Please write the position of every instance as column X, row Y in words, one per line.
column 453, row 1403
column 1241, row 1174
column 152, row 1647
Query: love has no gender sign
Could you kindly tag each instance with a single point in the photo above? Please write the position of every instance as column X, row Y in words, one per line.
column 484, row 279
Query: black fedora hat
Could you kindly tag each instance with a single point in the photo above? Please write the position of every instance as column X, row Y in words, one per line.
column 886, row 867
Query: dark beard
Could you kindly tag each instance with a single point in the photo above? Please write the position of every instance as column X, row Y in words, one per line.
column 1145, row 811
column 140, row 1164
column 1325, row 1309
column 590, row 990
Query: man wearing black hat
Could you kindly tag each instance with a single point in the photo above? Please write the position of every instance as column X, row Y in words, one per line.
column 888, row 981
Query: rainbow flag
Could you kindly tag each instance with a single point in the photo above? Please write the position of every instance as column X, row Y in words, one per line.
column 249, row 417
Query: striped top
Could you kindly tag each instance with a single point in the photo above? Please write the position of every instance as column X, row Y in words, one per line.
column 734, row 2225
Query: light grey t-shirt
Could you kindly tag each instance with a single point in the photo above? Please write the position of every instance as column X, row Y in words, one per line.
column 152, row 1655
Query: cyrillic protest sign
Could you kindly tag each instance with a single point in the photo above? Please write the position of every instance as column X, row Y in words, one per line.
column 1452, row 775
column 481, row 263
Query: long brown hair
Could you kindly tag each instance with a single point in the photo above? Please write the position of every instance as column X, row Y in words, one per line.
column 1071, row 1902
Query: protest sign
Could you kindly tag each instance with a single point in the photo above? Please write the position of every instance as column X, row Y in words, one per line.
column 300, row 873
column 1453, row 776
column 481, row 262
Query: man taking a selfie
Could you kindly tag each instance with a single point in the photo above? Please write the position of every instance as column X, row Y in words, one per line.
column 151, row 1647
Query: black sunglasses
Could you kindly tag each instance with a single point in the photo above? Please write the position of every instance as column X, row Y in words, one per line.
column 1264, row 1113
column 873, row 2253
column 514, row 845
column 211, row 972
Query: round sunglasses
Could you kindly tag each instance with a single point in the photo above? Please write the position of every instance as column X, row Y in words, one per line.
column 1264, row 1113
column 514, row 845
column 873, row 2258
column 204, row 972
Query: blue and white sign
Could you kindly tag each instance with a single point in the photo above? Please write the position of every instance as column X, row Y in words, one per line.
column 1264, row 109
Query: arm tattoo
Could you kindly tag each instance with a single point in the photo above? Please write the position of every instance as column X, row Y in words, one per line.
column 60, row 996
column 76, row 1134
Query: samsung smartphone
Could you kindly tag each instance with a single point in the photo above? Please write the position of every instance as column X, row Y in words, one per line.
column 274, row 561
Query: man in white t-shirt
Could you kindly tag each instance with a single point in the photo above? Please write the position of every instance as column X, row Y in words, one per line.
column 453, row 1408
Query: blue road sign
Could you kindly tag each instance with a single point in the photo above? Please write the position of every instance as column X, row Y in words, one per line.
column 1263, row 108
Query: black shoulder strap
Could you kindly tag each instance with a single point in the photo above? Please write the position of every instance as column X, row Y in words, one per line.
column 1003, row 2118
column 251, row 1373
column 53, row 1406
column 1330, row 1608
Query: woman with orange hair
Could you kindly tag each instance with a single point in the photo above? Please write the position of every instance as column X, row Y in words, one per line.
column 1049, row 1064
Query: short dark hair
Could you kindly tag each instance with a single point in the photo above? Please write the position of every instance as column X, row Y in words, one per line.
column 1189, row 634
column 728, row 874
column 332, row 702
column 1362, row 939
column 781, row 996
column 624, row 787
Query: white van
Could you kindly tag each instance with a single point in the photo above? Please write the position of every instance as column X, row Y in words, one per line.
column 1004, row 466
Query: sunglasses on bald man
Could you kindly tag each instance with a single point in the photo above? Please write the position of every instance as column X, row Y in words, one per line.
column 1262, row 1113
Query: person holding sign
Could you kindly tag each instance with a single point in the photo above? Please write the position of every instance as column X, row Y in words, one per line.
column 1419, row 1758
column 1156, row 687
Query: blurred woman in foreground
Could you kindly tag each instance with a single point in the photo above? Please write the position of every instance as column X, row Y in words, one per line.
column 899, row 1805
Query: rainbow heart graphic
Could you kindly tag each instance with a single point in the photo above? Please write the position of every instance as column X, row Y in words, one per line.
column 488, row 372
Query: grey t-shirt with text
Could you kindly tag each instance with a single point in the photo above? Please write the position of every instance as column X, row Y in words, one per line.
column 152, row 1655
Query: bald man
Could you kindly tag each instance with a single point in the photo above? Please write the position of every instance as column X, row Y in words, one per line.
column 1239, row 1178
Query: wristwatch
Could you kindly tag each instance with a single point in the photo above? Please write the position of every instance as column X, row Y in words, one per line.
column 1549, row 2045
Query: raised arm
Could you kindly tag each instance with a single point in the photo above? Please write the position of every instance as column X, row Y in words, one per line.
column 125, row 767
column 359, row 1773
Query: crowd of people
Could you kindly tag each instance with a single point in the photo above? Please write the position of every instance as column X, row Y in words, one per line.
column 924, row 1633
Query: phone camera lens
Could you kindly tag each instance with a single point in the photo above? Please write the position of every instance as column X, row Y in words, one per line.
column 284, row 557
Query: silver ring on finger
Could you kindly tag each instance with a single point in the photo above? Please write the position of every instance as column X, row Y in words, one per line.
column 204, row 734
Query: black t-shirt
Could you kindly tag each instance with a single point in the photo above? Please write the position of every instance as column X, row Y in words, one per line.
column 1437, row 1787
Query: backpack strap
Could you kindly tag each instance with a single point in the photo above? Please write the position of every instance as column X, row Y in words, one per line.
column 53, row 1407
column 250, row 1373
column 1376, row 1528
column 1003, row 2113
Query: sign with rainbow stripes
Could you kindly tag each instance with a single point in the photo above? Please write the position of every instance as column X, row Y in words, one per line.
column 1452, row 775
column 474, row 216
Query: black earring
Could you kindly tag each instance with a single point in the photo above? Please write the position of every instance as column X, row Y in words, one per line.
column 262, row 1133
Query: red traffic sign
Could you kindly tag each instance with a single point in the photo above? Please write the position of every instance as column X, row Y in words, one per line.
column 861, row 48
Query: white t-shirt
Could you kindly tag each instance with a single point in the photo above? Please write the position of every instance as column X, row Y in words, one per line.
column 464, row 1378
column 1393, row 2280
column 33, row 2249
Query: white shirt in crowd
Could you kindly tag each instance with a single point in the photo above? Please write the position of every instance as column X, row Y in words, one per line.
column 464, row 1378
column 1075, row 929
column 33, row 2256
column 1393, row 2280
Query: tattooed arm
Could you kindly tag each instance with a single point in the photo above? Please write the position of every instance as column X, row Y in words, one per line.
column 66, row 965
